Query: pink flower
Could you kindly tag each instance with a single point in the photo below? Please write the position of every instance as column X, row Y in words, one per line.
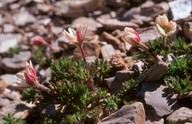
column 132, row 37
column 76, row 37
column 38, row 40
column 164, row 26
column 27, row 78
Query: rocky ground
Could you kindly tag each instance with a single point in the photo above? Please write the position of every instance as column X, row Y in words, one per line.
column 20, row 20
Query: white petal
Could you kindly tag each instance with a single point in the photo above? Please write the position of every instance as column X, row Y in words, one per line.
column 161, row 31
column 72, row 32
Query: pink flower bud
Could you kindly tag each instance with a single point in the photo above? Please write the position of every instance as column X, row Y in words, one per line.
column 28, row 77
column 76, row 37
column 164, row 26
column 132, row 37
column 37, row 40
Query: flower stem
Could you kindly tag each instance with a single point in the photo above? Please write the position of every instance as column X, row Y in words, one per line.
column 44, row 87
column 83, row 55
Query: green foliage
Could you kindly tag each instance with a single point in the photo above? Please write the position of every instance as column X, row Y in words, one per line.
column 38, row 56
column 9, row 119
column 128, row 93
column 29, row 95
column 13, row 51
column 76, row 102
column 178, row 76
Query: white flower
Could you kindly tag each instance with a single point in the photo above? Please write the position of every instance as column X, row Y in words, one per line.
column 164, row 26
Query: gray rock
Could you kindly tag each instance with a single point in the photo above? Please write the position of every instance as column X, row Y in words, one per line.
column 187, row 28
column 138, row 67
column 107, row 51
column 182, row 115
column 23, row 18
column 8, row 28
column 73, row 8
column 16, row 63
column 90, row 22
column 113, row 24
column 9, row 78
column 151, row 34
column 159, row 100
column 153, row 74
column 128, row 114
column 116, row 84
column 180, row 9
column 8, row 41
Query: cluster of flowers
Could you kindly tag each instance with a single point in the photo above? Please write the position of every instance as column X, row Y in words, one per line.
column 29, row 78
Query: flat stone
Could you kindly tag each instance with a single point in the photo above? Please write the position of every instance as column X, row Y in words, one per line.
column 149, row 34
column 23, row 18
column 90, row 22
column 8, row 78
column 180, row 9
column 154, row 73
column 113, row 24
column 8, row 28
column 159, row 100
column 128, row 114
column 16, row 63
column 182, row 115
column 107, row 51
column 74, row 8
column 8, row 41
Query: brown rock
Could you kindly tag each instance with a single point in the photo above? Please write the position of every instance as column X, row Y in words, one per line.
column 107, row 51
column 153, row 74
column 44, row 8
column 90, row 22
column 118, row 62
column 73, row 8
column 182, row 115
column 90, row 49
column 188, row 30
column 128, row 114
column 111, row 39
column 113, row 24
column 160, row 100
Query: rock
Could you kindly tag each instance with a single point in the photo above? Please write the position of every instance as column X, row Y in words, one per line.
column 149, row 9
column 8, row 78
column 154, row 73
column 23, row 18
column 158, row 98
column 120, row 77
column 44, row 8
column 56, row 30
column 120, row 63
column 182, row 115
column 90, row 49
column 8, row 28
column 113, row 24
column 90, row 22
column 16, row 63
column 187, row 28
column 180, row 9
column 3, row 85
column 111, row 39
column 73, row 8
column 151, row 34
column 128, row 114
column 138, row 67
column 8, row 41
column 107, row 51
